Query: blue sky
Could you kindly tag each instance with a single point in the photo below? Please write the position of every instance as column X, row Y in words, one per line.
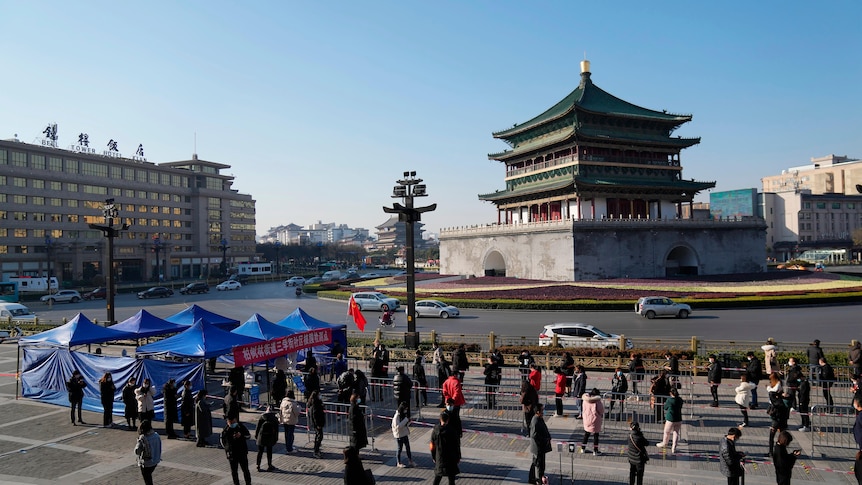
column 320, row 106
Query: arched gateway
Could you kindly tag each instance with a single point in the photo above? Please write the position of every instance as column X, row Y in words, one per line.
column 494, row 264
column 681, row 260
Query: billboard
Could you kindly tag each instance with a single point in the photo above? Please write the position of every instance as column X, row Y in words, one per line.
column 733, row 204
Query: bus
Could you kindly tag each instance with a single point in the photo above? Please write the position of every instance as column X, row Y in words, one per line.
column 9, row 291
column 254, row 269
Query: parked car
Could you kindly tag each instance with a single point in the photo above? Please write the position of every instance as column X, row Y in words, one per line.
column 374, row 300
column 435, row 308
column 156, row 292
column 241, row 278
column 68, row 296
column 660, row 306
column 100, row 292
column 196, row 287
column 229, row 285
column 371, row 275
column 316, row 280
column 4, row 334
column 16, row 312
column 295, row 281
column 580, row 335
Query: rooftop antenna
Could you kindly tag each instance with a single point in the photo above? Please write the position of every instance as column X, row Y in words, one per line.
column 195, row 153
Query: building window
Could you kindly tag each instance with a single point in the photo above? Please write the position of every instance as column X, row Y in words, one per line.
column 141, row 176
column 71, row 166
column 93, row 189
column 54, row 201
column 37, row 162
column 55, row 164
column 4, row 160
column 116, row 172
column 851, row 205
column 19, row 182
column 38, row 200
column 19, row 159
column 836, row 205
column 19, row 233
column 19, row 199
column 214, row 183
column 821, row 205
column 72, row 202
column 72, row 187
column 154, row 222
column 94, row 169
column 55, row 185
column 72, row 218
column 213, row 202
column 2, row 180
column 128, row 174
column 38, row 183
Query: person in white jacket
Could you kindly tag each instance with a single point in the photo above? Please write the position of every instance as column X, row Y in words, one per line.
column 145, row 396
column 743, row 398
column 401, row 433
column 288, row 416
column 770, row 356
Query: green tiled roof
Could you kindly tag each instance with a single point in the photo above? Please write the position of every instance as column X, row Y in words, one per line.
column 687, row 185
column 555, row 184
column 535, row 143
column 589, row 97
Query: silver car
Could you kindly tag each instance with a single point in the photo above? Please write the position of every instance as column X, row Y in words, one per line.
column 435, row 308
column 374, row 300
column 580, row 335
column 660, row 306
column 68, row 296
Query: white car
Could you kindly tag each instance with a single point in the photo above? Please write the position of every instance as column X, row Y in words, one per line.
column 660, row 306
column 295, row 281
column 580, row 335
column 374, row 300
column 229, row 285
column 68, row 296
column 435, row 308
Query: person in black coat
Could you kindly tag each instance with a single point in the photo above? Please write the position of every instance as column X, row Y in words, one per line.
column 780, row 413
column 815, row 353
column 540, row 445
column 233, row 439
column 187, row 409
column 107, row 389
column 460, row 362
column 402, row 388
column 317, row 420
column 279, row 387
column 753, row 372
column 266, row 436
column 312, row 382
column 75, row 387
column 784, row 460
column 420, row 379
column 356, row 425
column 445, row 450
column 827, row 379
column 637, row 454
column 713, row 376
column 131, row 404
column 230, row 405
column 169, row 393
column 529, row 399
column 803, row 394
column 492, row 381
column 354, row 472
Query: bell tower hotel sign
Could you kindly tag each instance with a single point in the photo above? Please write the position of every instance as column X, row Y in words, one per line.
column 83, row 146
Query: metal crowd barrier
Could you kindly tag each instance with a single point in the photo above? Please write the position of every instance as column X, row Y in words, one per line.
column 832, row 429
column 337, row 426
column 635, row 407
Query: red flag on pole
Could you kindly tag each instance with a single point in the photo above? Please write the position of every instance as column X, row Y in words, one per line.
column 354, row 311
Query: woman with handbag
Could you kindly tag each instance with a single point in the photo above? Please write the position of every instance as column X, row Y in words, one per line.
column 637, row 454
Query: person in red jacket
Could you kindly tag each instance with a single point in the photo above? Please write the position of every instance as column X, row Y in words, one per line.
column 452, row 390
column 560, row 389
column 536, row 377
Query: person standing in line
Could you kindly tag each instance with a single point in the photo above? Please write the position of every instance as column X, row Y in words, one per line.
column 673, row 420
column 782, row 460
column 402, row 387
column 419, row 379
column 857, row 435
column 827, row 379
column 568, row 366
column 774, row 389
column 187, row 409
column 791, row 381
column 360, row 386
column 540, row 445
column 528, row 401
column 579, row 388
column 148, row 450
column 455, row 420
column 730, row 460
column 535, row 377
column 131, row 404
column 169, row 394
column 145, row 395
column 354, row 471
column 75, row 387
column 780, row 414
column 356, row 426
column 492, row 381
column 445, row 450
column 659, row 390
column 266, row 436
column 311, row 362
column 743, row 398
column 770, row 356
column 289, row 417
column 312, row 382
column 443, row 371
column 714, row 371
column 203, row 418
column 401, row 433
column 815, row 353
column 803, row 394
column 560, row 383
column 317, row 420
column 637, row 454
column 636, row 371
column 460, row 362
column 619, row 388
column 107, row 389
column 672, row 368
column 231, row 405
column 854, row 357
column 346, row 385
column 339, row 366
column 753, row 372
column 593, row 414
column 525, row 361
column 279, row 387
column 377, row 374
column 233, row 439
column 452, row 390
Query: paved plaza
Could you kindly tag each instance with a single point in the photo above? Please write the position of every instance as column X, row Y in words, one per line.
column 39, row 446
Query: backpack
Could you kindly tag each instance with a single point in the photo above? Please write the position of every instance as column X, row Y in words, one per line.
column 269, row 427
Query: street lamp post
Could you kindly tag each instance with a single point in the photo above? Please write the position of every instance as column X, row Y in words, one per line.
column 224, row 247
column 111, row 212
column 277, row 259
column 48, row 246
column 408, row 188
column 157, row 246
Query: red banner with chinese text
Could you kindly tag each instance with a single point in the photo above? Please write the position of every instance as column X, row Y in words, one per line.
column 270, row 349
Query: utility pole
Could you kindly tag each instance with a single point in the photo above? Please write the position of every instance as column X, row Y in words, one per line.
column 111, row 212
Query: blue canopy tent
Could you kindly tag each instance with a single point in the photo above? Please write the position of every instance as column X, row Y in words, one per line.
column 261, row 328
column 300, row 321
column 202, row 340
column 79, row 331
column 144, row 324
column 194, row 313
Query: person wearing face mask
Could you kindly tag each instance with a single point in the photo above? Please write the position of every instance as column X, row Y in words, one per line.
column 107, row 389
column 169, row 394
column 233, row 439
column 187, row 409
column 145, row 396
column 75, row 386
column 619, row 387
column 131, row 405
column 753, row 372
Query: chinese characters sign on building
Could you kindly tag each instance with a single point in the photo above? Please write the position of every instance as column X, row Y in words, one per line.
column 260, row 351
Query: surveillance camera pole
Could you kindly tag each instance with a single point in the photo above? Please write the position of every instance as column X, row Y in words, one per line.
column 408, row 188
column 111, row 212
